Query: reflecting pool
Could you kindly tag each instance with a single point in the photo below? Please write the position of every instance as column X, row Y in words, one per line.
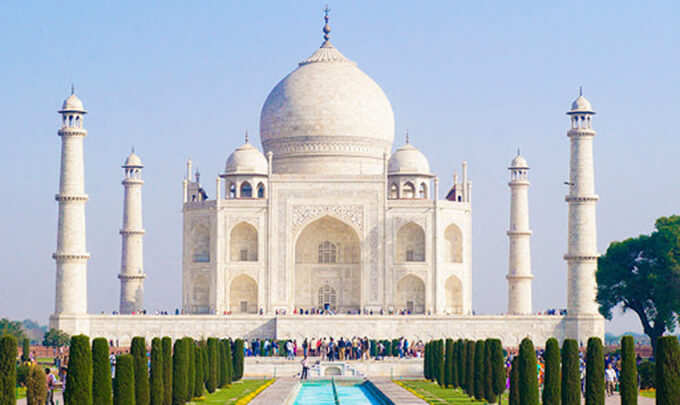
column 329, row 392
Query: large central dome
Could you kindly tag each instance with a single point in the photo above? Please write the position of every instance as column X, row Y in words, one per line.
column 327, row 117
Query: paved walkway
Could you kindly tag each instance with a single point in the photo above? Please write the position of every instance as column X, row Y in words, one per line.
column 395, row 393
column 616, row 400
column 57, row 399
column 276, row 393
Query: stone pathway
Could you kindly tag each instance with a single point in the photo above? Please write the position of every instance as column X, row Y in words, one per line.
column 616, row 400
column 57, row 399
column 395, row 393
column 276, row 393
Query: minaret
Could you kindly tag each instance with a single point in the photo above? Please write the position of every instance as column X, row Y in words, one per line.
column 582, row 252
column 519, row 269
column 132, row 261
column 71, row 255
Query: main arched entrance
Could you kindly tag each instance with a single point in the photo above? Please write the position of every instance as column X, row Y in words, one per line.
column 328, row 266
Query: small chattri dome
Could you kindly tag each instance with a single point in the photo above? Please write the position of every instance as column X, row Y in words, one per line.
column 581, row 105
column 519, row 162
column 246, row 159
column 408, row 160
column 72, row 104
column 133, row 161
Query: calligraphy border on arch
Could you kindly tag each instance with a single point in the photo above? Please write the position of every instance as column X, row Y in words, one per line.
column 303, row 214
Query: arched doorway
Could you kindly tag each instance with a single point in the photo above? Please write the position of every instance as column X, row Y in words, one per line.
column 411, row 295
column 454, row 295
column 243, row 295
column 328, row 266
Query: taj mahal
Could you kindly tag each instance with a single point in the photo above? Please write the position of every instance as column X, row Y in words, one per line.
column 330, row 229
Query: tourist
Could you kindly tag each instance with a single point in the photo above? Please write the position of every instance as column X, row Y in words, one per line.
column 305, row 367
column 49, row 380
column 610, row 378
column 305, row 346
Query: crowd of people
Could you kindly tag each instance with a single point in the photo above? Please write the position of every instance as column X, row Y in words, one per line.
column 331, row 349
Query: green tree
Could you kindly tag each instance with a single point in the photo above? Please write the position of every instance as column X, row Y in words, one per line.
column 454, row 365
column 156, row 386
column 12, row 328
column 440, row 363
column 470, row 369
column 167, row 370
column 179, row 373
column 55, row 338
column 36, row 386
column 141, row 364
column 667, row 371
column 462, row 362
column 124, row 382
column 448, row 364
column 222, row 372
column 594, row 372
column 191, row 367
column 213, row 358
column 628, row 376
column 204, row 346
column 229, row 362
column 495, row 370
column 513, row 397
column 480, row 353
column 101, row 373
column 551, row 376
column 8, row 369
column 571, row 374
column 198, row 377
column 79, row 382
column 238, row 359
column 528, row 380
column 643, row 275
column 26, row 350
column 426, row 361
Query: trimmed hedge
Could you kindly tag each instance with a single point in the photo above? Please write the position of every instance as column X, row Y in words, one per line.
column 228, row 362
column 167, row 370
column 124, row 382
column 222, row 372
column 191, row 367
column 480, row 353
column 571, row 375
column 495, row 370
column 628, row 377
column 440, row 363
column 462, row 363
column 667, row 371
column 594, row 372
column 470, row 368
column 36, row 386
column 138, row 352
column 454, row 365
column 26, row 350
column 198, row 376
column 156, row 386
column 426, row 361
column 448, row 364
column 513, row 397
column 179, row 373
column 8, row 369
column 102, row 392
column 238, row 359
column 551, row 379
column 79, row 382
column 213, row 358
column 528, row 381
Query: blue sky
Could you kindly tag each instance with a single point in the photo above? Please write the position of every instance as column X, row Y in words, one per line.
column 469, row 80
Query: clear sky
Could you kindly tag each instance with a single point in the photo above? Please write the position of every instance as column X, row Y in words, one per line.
column 469, row 80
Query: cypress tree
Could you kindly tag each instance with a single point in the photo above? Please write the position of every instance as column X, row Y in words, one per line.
column 551, row 379
column 454, row 365
column 594, row 372
column 227, row 361
column 426, row 362
column 488, row 373
column 441, row 352
column 167, row 370
column 138, row 352
column 101, row 373
column 198, row 376
column 462, row 363
column 213, row 358
column 156, row 379
column 513, row 397
column 497, row 368
column 571, row 375
column 8, row 369
column 191, row 367
column 79, row 382
column 26, row 350
column 628, row 376
column 528, row 380
column 238, row 359
column 480, row 347
column 470, row 369
column 448, row 364
column 667, row 371
column 179, row 373
column 36, row 386
column 204, row 347
column 124, row 383
column 222, row 372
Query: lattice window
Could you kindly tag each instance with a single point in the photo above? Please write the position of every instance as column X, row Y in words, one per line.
column 327, row 252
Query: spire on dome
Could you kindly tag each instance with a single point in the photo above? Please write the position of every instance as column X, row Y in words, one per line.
column 246, row 136
column 407, row 140
column 580, row 90
column 73, row 89
column 326, row 28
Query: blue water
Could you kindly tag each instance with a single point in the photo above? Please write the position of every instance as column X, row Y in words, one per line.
column 321, row 393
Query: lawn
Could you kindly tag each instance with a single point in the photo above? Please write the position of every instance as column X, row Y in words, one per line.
column 232, row 394
column 434, row 394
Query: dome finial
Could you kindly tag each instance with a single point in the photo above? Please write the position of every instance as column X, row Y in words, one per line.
column 580, row 90
column 326, row 28
column 73, row 89
column 407, row 140
column 246, row 136
column 133, row 149
column 518, row 151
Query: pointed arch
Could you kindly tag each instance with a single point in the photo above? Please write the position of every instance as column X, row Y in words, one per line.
column 260, row 190
column 246, row 190
column 243, row 243
column 408, row 190
column 453, row 291
column 231, row 189
column 200, row 243
column 453, row 244
column 394, row 191
column 410, row 243
column 411, row 294
column 422, row 192
column 200, row 295
column 243, row 295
